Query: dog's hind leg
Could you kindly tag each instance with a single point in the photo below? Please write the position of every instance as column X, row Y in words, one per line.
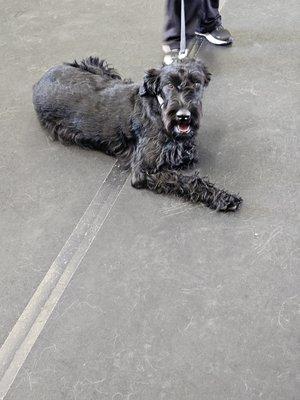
column 193, row 188
column 69, row 136
column 86, row 141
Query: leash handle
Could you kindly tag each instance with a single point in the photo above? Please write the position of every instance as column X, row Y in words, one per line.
column 182, row 30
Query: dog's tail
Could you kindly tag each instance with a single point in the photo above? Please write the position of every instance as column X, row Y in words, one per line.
column 96, row 66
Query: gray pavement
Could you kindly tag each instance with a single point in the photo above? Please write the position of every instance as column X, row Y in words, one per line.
column 171, row 301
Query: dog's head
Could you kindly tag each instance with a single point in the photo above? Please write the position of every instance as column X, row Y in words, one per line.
column 178, row 89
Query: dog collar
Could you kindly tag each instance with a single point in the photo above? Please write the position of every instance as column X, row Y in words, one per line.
column 160, row 100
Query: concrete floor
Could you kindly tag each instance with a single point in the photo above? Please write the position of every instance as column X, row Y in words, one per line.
column 171, row 301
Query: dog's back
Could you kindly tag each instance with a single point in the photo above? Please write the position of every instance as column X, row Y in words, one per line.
column 97, row 67
column 86, row 103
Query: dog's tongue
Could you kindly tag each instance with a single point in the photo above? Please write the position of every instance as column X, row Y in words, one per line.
column 184, row 128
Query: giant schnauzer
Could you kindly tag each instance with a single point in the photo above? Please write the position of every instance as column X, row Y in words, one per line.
column 150, row 127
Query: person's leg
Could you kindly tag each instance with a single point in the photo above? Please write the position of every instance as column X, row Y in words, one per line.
column 210, row 24
column 171, row 35
column 209, row 16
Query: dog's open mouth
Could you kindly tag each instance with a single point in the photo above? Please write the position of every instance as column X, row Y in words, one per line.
column 183, row 128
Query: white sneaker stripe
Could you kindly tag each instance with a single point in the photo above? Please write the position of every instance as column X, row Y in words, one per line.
column 211, row 39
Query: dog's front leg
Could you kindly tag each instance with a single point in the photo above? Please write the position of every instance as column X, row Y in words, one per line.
column 144, row 159
column 138, row 179
column 193, row 188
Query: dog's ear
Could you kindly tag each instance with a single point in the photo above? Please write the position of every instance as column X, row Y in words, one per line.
column 204, row 72
column 150, row 83
column 207, row 76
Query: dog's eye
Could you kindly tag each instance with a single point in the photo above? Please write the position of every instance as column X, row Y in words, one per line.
column 170, row 86
column 197, row 85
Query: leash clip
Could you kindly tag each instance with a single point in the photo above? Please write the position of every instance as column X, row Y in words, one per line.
column 160, row 101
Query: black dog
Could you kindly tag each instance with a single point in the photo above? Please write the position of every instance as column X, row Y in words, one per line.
column 150, row 127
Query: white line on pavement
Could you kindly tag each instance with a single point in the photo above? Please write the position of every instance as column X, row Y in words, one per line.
column 28, row 327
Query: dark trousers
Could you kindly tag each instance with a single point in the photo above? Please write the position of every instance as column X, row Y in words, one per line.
column 202, row 15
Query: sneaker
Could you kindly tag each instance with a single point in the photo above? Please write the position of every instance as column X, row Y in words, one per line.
column 171, row 55
column 219, row 36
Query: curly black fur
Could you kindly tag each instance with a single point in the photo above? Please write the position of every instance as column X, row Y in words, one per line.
column 150, row 127
column 96, row 66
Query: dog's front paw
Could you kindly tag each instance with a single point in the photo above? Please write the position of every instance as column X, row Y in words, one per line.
column 138, row 180
column 227, row 202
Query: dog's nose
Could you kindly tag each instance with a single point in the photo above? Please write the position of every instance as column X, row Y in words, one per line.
column 183, row 115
